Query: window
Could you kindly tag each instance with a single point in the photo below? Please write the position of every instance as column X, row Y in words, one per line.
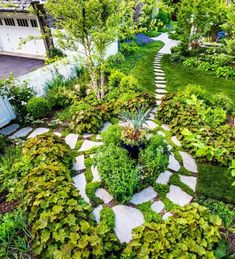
column 34, row 23
column 22, row 22
column 1, row 22
column 9, row 21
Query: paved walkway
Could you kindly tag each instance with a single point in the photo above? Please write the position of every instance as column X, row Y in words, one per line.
column 168, row 43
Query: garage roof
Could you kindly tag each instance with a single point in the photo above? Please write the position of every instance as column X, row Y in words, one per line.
column 17, row 5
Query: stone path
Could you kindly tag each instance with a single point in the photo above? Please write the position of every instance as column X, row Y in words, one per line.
column 129, row 216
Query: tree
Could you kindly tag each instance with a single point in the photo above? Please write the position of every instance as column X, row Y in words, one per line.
column 95, row 24
column 196, row 18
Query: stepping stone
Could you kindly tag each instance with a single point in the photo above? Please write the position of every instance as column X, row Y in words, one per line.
column 87, row 135
column 71, row 140
column 161, row 133
column 103, row 195
column 164, row 178
column 58, row 134
column 160, row 82
column 150, row 125
column 37, row 132
column 177, row 196
column 169, row 147
column 158, row 102
column 160, row 96
column 96, row 174
column 79, row 164
column 161, row 91
column 126, row 219
column 21, row 133
column 98, row 137
column 161, row 86
column 167, row 215
column 146, row 195
column 80, row 184
column 190, row 181
column 176, row 141
column 9, row 129
column 158, row 70
column 160, row 78
column 96, row 213
column 189, row 162
column 88, row 144
column 173, row 163
column 157, row 206
column 105, row 126
column 166, row 127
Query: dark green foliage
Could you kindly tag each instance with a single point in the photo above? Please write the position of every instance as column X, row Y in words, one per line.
column 191, row 232
column 225, row 211
column 38, row 107
column 153, row 160
column 118, row 172
column 14, row 235
column 54, row 53
column 161, row 189
column 215, row 182
column 129, row 48
column 175, row 180
column 112, row 135
column 107, row 216
column 2, row 144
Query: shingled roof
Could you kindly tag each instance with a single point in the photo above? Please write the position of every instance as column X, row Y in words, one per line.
column 16, row 5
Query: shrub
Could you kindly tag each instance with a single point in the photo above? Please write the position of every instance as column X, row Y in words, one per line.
column 38, row 107
column 115, row 78
column 55, row 52
column 129, row 48
column 112, row 135
column 223, row 101
column 191, row 232
column 118, row 172
column 128, row 82
column 225, row 211
column 153, row 160
column 2, row 144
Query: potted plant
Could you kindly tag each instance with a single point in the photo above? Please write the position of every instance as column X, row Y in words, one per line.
column 133, row 132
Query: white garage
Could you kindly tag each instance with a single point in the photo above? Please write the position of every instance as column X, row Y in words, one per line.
column 16, row 28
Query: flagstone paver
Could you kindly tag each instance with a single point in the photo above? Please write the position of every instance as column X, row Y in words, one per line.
column 71, row 140
column 176, row 141
column 79, row 164
column 103, row 195
column 105, row 126
column 161, row 133
column 21, row 133
column 189, row 162
column 167, row 215
column 173, row 163
column 157, row 206
column 126, row 219
column 80, row 184
column 150, row 125
column 161, row 91
column 58, row 134
column 146, row 195
column 190, row 181
column 158, row 102
column 88, row 144
column 37, row 132
column 96, row 213
column 160, row 96
column 87, row 135
column 9, row 129
column 178, row 196
column 164, row 178
column 95, row 173
column 166, row 127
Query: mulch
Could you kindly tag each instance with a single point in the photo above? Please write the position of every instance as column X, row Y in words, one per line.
column 6, row 206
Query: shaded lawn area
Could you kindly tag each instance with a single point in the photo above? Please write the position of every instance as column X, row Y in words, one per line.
column 140, row 65
column 215, row 182
column 178, row 77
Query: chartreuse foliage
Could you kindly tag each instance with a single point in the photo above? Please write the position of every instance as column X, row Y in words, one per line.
column 191, row 233
column 60, row 218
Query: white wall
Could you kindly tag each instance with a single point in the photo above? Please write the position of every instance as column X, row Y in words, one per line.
column 11, row 36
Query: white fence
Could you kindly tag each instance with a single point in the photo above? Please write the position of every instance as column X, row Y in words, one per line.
column 38, row 78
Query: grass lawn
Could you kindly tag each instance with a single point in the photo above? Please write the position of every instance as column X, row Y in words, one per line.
column 140, row 65
column 215, row 182
column 178, row 77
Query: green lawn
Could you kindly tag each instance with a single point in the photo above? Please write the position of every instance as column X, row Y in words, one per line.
column 140, row 65
column 178, row 77
column 215, row 182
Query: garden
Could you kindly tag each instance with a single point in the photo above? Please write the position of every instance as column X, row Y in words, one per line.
column 133, row 156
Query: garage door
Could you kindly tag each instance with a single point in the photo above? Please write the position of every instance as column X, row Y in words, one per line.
column 6, row 112
column 14, row 30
